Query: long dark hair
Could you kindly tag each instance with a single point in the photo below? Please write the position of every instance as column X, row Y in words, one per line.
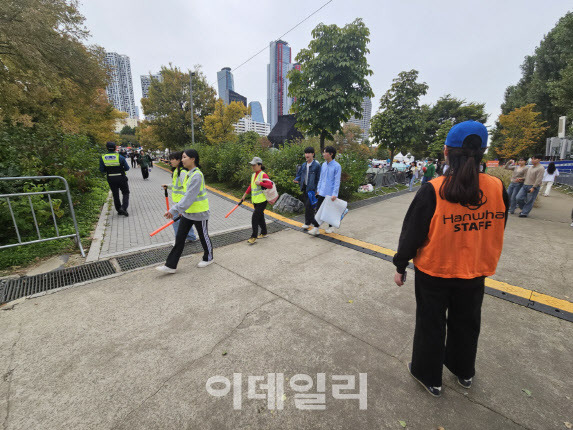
column 177, row 156
column 192, row 153
column 551, row 168
column 461, row 181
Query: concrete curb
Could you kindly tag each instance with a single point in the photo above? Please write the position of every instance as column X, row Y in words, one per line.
column 95, row 247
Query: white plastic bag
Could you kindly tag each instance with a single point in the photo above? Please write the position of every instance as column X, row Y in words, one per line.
column 331, row 211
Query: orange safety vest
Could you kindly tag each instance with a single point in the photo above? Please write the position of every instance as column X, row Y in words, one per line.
column 464, row 242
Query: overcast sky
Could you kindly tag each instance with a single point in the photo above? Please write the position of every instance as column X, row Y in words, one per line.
column 470, row 52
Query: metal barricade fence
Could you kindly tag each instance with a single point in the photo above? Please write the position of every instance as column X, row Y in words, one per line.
column 66, row 191
column 565, row 179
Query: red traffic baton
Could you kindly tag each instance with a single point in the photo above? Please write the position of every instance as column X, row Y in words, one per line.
column 165, row 226
column 233, row 210
column 166, row 198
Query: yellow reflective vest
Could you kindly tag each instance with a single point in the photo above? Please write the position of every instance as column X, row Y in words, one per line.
column 177, row 188
column 257, row 195
column 201, row 203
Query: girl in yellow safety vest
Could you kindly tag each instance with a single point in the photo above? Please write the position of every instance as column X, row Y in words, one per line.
column 453, row 231
column 258, row 198
column 177, row 187
column 194, row 210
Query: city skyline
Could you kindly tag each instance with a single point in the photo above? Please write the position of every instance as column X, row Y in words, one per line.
column 477, row 65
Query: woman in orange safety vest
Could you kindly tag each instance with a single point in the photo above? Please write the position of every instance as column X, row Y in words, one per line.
column 454, row 232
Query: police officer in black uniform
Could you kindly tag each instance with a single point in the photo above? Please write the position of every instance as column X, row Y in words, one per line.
column 115, row 166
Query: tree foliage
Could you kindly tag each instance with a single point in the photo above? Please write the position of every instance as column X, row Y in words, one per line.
column 399, row 124
column 169, row 103
column 219, row 125
column 520, row 132
column 450, row 111
column 546, row 79
column 47, row 75
column 332, row 81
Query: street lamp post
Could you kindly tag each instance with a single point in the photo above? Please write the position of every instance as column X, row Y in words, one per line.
column 191, row 93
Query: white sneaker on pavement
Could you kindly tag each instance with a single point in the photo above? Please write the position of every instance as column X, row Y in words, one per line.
column 329, row 230
column 314, row 231
column 204, row 263
column 305, row 226
column 165, row 269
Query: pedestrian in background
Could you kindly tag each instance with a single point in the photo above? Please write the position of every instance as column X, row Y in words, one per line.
column 429, row 171
column 115, row 166
column 177, row 187
column 194, row 207
column 531, row 185
column 308, row 176
column 467, row 211
column 412, row 175
column 549, row 178
column 258, row 198
column 145, row 163
column 517, row 178
column 329, row 183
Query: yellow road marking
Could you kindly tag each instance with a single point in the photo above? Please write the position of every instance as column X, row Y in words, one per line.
column 544, row 299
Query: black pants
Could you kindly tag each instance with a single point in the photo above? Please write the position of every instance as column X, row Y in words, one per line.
column 462, row 299
column 308, row 209
column 117, row 183
column 145, row 172
column 182, row 232
column 258, row 219
column 133, row 162
column 318, row 205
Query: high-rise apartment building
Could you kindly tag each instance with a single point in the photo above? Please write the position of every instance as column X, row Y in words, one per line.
column 364, row 123
column 225, row 83
column 256, row 111
column 278, row 102
column 146, row 83
column 248, row 124
column 120, row 88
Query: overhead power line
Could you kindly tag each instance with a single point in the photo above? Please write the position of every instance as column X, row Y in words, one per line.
column 278, row 38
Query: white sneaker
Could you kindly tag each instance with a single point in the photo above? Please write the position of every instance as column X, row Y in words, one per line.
column 305, row 226
column 314, row 231
column 572, row 224
column 204, row 263
column 329, row 230
column 165, row 269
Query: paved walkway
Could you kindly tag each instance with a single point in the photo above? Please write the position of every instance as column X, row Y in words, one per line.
column 146, row 209
column 136, row 351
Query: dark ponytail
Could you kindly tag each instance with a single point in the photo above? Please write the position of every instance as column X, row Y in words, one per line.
column 461, row 181
column 192, row 153
column 551, row 168
column 177, row 156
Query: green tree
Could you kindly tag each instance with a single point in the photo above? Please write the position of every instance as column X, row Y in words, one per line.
column 544, row 79
column 169, row 103
column 448, row 110
column 219, row 125
column 520, row 132
column 436, row 148
column 47, row 75
column 400, row 122
column 128, row 130
column 332, row 81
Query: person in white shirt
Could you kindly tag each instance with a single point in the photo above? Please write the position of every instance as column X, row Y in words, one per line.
column 549, row 178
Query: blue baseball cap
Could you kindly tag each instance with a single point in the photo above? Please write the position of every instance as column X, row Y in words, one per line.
column 460, row 131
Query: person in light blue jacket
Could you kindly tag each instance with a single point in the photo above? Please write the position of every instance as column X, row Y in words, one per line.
column 329, row 183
